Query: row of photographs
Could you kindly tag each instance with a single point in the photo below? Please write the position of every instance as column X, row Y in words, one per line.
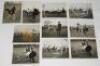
column 53, row 29
column 31, row 11
column 54, row 49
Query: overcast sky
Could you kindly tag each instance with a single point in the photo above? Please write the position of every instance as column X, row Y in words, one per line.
column 55, row 22
column 80, row 5
column 27, row 28
column 53, row 6
column 82, row 22
column 31, row 4
column 55, row 42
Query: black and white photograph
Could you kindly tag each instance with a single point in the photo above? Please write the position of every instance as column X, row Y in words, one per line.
column 26, row 33
column 12, row 12
column 82, row 29
column 84, row 48
column 31, row 11
column 54, row 28
column 54, row 10
column 81, row 10
column 55, row 48
column 25, row 54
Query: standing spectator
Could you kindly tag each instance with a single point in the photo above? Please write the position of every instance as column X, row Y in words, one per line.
column 59, row 29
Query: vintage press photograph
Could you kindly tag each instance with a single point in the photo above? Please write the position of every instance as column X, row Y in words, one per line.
column 81, row 29
column 54, row 10
column 25, row 53
column 55, row 48
column 12, row 12
column 81, row 10
column 84, row 48
column 26, row 33
column 31, row 11
column 54, row 28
